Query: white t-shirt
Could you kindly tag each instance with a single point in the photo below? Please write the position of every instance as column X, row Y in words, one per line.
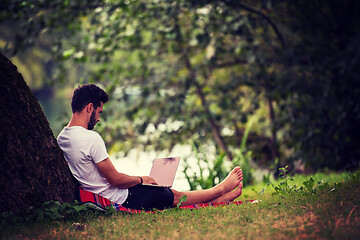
column 83, row 149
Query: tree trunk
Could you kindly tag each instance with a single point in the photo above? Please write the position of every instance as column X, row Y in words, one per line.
column 33, row 169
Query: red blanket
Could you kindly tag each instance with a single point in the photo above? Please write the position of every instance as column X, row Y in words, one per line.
column 100, row 202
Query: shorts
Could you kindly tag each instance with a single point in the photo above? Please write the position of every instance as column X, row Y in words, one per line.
column 148, row 198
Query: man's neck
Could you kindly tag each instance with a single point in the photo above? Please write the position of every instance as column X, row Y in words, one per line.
column 77, row 120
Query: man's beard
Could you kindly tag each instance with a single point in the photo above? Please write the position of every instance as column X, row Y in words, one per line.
column 92, row 121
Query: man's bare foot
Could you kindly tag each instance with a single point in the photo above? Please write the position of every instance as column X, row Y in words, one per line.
column 231, row 181
column 230, row 196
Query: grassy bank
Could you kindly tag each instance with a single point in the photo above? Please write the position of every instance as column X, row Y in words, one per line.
column 329, row 210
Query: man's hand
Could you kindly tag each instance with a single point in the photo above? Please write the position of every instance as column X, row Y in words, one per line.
column 148, row 180
column 120, row 180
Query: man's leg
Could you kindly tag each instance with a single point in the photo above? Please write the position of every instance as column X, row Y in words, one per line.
column 221, row 192
column 230, row 196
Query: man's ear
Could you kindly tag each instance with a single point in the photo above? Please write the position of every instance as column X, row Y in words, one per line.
column 89, row 107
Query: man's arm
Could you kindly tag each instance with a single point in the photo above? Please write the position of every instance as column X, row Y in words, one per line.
column 120, row 180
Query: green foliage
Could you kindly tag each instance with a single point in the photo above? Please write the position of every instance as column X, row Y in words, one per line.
column 283, row 187
column 209, row 172
column 29, row 19
column 182, row 199
column 177, row 95
column 310, row 187
column 181, row 71
column 244, row 160
column 353, row 177
column 323, row 105
column 53, row 211
column 212, row 172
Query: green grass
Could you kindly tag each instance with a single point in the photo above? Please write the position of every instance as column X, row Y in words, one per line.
column 328, row 212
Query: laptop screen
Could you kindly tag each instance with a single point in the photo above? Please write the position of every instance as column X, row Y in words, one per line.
column 164, row 169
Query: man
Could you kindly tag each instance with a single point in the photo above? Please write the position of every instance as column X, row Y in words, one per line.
column 89, row 162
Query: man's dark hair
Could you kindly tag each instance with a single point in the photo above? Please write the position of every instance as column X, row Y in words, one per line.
column 88, row 93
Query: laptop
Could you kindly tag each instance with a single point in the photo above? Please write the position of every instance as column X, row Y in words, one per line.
column 163, row 171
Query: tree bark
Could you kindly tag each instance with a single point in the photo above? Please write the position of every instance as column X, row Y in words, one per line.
column 33, row 169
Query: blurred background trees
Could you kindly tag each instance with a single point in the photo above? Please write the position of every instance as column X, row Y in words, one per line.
column 201, row 72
